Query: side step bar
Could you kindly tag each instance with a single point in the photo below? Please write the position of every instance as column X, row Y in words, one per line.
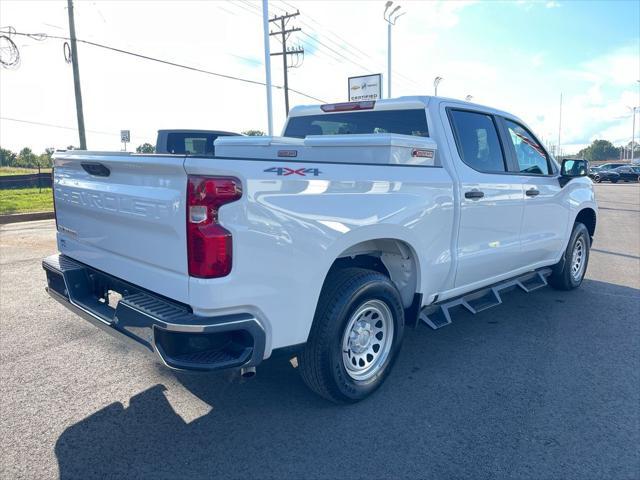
column 438, row 315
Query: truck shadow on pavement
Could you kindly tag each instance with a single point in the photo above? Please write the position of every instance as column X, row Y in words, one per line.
column 543, row 386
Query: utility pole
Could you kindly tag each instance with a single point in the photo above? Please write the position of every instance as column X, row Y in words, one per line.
column 76, row 76
column 267, row 64
column 284, row 33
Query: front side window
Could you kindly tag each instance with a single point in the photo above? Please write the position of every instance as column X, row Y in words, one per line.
column 531, row 156
column 478, row 142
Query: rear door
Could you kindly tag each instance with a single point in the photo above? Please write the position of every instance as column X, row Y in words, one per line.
column 125, row 214
column 544, row 223
column 491, row 200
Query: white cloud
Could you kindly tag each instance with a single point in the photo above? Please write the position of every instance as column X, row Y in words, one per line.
column 552, row 4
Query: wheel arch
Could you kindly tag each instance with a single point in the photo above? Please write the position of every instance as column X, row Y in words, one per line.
column 588, row 217
column 393, row 257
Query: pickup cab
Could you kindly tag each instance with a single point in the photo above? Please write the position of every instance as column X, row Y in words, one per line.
column 322, row 244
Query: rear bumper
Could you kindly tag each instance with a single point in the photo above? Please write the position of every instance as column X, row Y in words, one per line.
column 182, row 340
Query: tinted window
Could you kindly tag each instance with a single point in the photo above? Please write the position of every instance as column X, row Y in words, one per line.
column 530, row 155
column 406, row 122
column 191, row 143
column 477, row 139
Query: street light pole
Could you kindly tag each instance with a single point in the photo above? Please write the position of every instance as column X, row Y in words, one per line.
column 391, row 18
column 388, row 59
column 436, row 82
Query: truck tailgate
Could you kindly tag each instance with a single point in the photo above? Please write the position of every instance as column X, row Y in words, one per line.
column 125, row 214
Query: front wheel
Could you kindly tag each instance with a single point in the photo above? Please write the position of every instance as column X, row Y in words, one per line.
column 356, row 335
column 569, row 272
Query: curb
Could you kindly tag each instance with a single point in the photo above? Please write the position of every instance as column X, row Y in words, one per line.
column 25, row 217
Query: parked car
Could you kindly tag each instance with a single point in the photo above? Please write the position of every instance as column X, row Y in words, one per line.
column 189, row 142
column 610, row 166
column 322, row 244
column 627, row 173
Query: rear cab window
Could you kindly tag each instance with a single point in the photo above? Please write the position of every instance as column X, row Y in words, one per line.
column 477, row 140
column 405, row 122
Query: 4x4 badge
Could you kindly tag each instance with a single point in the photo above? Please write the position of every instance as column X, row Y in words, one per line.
column 285, row 171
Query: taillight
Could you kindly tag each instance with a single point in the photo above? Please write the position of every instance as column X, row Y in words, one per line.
column 209, row 245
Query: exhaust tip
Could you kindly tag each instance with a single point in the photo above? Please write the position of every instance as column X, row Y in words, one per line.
column 248, row 372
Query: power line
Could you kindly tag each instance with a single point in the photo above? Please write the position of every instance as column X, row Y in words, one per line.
column 328, row 32
column 43, row 124
column 169, row 62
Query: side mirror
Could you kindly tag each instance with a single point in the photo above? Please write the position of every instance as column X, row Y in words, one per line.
column 574, row 168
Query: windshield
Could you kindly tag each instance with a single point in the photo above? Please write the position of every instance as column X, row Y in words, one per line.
column 406, row 122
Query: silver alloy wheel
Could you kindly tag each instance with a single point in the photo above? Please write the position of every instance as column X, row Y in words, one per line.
column 578, row 259
column 367, row 340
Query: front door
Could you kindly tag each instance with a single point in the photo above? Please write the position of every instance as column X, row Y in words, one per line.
column 491, row 201
column 544, row 223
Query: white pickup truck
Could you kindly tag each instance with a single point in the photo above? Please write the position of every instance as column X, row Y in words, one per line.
column 323, row 243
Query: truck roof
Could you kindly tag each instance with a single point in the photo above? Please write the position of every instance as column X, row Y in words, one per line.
column 401, row 103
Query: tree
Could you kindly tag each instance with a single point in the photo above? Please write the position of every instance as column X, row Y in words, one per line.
column 44, row 160
column 254, row 133
column 27, row 159
column 7, row 158
column 146, row 148
column 600, row 150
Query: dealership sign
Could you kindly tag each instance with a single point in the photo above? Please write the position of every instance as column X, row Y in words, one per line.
column 365, row 87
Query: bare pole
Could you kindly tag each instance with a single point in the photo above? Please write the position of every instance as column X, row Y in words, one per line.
column 76, row 76
column 267, row 64
column 560, row 125
column 633, row 135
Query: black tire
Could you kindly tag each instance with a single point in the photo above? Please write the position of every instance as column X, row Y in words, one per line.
column 321, row 362
column 562, row 277
column 597, row 179
column 614, row 180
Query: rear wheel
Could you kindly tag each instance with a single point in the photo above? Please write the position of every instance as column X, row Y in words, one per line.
column 569, row 272
column 356, row 335
column 614, row 180
column 597, row 179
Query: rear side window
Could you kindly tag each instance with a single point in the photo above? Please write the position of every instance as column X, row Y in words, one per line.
column 532, row 158
column 405, row 122
column 477, row 140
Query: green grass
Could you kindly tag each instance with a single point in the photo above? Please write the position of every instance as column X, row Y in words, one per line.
column 21, row 171
column 23, row 200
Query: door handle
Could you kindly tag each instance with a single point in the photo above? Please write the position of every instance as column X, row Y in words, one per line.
column 474, row 194
column 532, row 192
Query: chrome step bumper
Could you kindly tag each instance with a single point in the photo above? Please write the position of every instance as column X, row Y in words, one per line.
column 183, row 340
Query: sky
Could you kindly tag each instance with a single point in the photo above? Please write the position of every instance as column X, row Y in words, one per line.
column 518, row 56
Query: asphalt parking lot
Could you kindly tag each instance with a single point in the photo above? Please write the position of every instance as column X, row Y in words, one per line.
column 546, row 386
